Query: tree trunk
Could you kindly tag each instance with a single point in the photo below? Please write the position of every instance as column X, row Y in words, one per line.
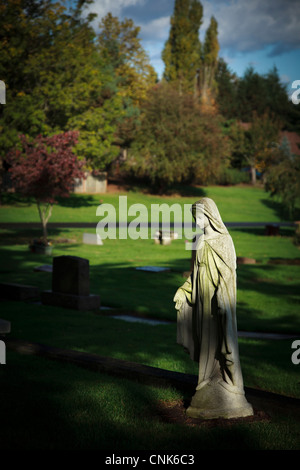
column 253, row 175
column 44, row 216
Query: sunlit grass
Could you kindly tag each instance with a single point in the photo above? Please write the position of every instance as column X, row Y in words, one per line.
column 235, row 203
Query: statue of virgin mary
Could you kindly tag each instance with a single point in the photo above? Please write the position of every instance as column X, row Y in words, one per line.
column 206, row 320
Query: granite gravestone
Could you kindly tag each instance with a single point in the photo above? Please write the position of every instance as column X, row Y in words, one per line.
column 71, row 285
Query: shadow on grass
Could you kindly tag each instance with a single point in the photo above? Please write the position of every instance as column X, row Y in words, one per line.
column 15, row 199
column 66, row 408
column 261, row 231
column 74, row 200
column 134, row 185
column 280, row 210
column 78, row 200
column 257, row 278
column 24, row 236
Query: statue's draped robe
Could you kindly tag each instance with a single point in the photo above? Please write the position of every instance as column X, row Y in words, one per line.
column 206, row 322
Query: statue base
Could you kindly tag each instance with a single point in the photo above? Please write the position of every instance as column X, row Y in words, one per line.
column 216, row 400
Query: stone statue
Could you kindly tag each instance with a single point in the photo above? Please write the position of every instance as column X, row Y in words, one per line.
column 206, row 320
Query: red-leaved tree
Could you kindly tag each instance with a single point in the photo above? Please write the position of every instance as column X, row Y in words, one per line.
column 45, row 168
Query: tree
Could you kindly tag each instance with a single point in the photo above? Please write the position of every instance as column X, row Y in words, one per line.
column 226, row 84
column 56, row 79
column 251, row 95
column 176, row 141
column 260, row 142
column 209, row 62
column 120, row 45
column 181, row 53
column 283, row 177
column 45, row 168
column 260, row 94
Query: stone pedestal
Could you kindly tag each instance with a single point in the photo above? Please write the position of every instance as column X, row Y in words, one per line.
column 71, row 285
column 75, row 302
column 214, row 400
column 13, row 291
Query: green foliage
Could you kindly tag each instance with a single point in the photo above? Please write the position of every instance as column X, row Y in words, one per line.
column 181, row 53
column 176, row 141
column 253, row 93
column 120, row 45
column 283, row 177
column 209, row 62
column 231, row 176
column 261, row 140
column 226, row 82
column 59, row 79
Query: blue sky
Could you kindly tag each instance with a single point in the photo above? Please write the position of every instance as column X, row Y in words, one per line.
column 260, row 33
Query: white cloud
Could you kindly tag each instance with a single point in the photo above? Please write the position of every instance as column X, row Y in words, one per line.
column 158, row 29
column 246, row 26
column 115, row 7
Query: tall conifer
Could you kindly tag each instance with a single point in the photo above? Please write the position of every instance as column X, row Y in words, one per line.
column 209, row 63
column 181, row 53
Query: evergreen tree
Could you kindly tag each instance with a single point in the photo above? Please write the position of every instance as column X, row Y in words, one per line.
column 209, row 62
column 226, row 82
column 181, row 53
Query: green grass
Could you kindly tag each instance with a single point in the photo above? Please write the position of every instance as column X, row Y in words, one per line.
column 266, row 364
column 235, row 203
column 93, row 411
column 70, row 403
column 268, row 295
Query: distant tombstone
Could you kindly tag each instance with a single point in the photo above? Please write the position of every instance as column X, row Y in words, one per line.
column 71, row 285
column 92, row 239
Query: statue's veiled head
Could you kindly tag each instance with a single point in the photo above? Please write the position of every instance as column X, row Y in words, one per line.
column 205, row 211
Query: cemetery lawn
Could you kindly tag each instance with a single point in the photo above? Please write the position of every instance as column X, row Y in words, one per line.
column 76, row 409
column 235, row 203
column 268, row 301
column 69, row 400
